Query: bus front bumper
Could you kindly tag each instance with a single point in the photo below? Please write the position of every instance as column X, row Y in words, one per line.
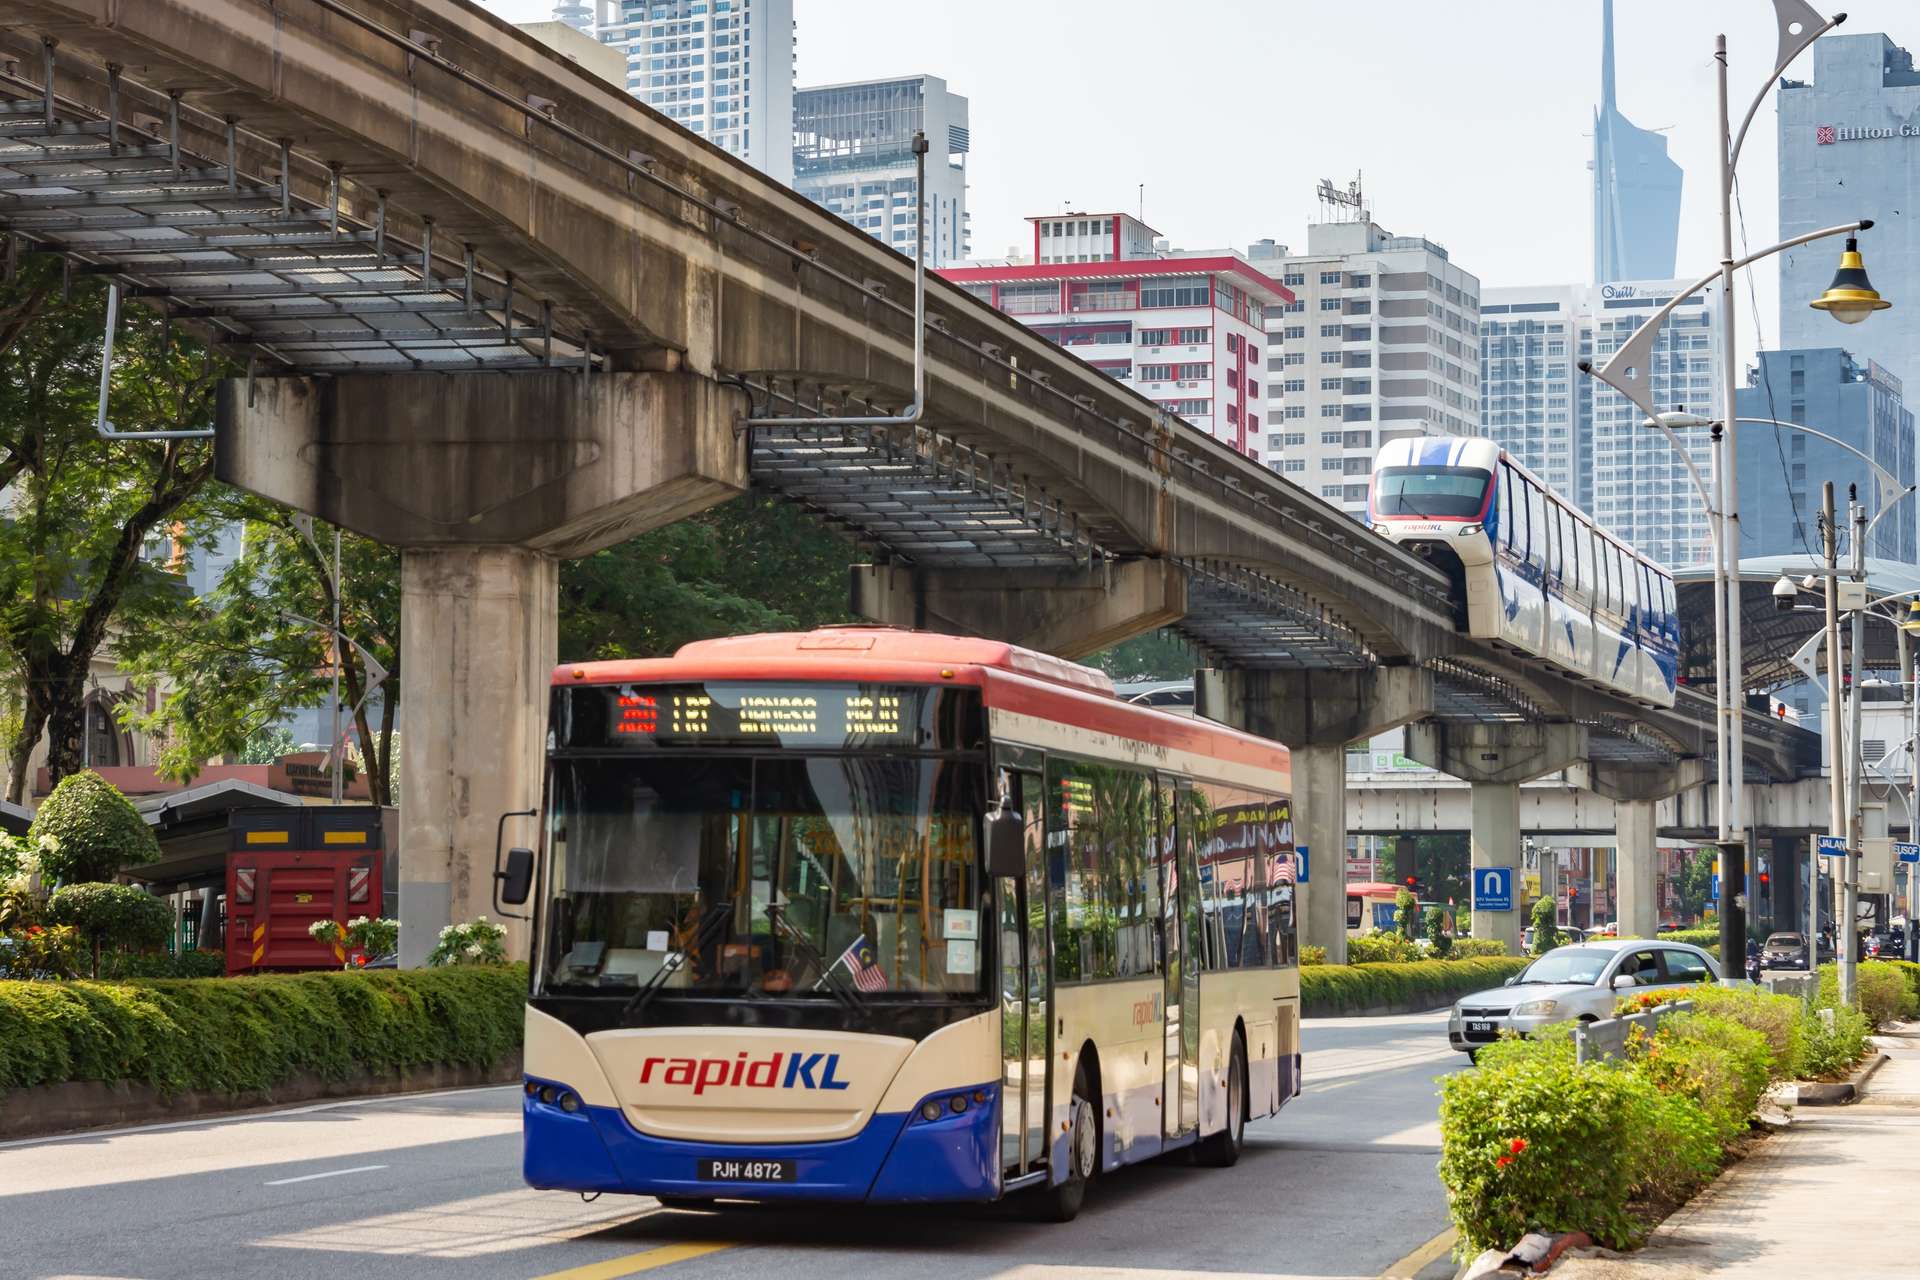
column 898, row 1158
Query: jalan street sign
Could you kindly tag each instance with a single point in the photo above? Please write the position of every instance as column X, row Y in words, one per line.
column 1906, row 852
column 1830, row 846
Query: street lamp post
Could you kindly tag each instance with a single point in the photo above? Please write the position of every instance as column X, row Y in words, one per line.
column 1849, row 299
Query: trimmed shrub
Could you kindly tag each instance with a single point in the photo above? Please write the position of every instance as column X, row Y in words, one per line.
column 1437, row 936
column 1705, row 939
column 1328, row 989
column 87, row 831
column 112, row 916
column 1310, row 954
column 245, row 1035
column 1546, row 926
column 163, row 964
column 39, row 951
column 1406, row 914
column 1831, row 1047
column 1469, row 948
column 1381, row 947
column 1780, row 1020
column 1720, row 1064
column 1884, row 993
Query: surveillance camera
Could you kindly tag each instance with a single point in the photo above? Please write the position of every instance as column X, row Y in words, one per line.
column 1784, row 594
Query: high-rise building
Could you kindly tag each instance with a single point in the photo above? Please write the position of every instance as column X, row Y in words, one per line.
column 1850, row 149
column 577, row 14
column 1185, row 329
column 1636, row 187
column 1380, row 342
column 1584, row 438
column 722, row 68
column 1781, row 472
column 853, row 154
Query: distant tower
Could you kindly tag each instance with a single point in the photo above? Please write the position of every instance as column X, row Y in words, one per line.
column 577, row 14
column 1636, row 187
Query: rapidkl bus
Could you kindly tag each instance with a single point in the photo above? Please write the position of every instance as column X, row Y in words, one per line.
column 873, row 915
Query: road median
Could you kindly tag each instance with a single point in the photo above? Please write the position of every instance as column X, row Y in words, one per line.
column 1360, row 990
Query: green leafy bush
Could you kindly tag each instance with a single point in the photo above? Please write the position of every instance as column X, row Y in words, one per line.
column 1884, row 992
column 163, row 964
column 1381, row 947
column 1546, row 926
column 87, row 831
column 1437, row 936
column 1721, row 1065
column 1328, row 989
column 1406, row 914
column 240, row 1035
column 112, row 916
column 478, row 941
column 1834, row 1039
column 1706, row 939
column 39, row 951
column 1310, row 954
column 1780, row 1020
column 1469, row 948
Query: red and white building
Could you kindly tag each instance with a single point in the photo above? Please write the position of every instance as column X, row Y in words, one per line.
column 1186, row 329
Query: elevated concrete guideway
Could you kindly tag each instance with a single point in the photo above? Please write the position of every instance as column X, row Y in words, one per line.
column 495, row 311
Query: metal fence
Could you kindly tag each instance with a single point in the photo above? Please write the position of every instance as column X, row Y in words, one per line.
column 1607, row 1039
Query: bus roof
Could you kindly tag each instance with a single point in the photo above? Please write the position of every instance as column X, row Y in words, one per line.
column 846, row 647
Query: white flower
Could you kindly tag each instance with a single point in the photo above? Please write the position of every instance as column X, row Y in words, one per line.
column 474, row 949
column 449, row 931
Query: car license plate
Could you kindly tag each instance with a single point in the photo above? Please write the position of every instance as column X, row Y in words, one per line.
column 1479, row 1026
column 748, row 1171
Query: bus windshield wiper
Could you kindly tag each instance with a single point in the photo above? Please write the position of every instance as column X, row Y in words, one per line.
column 675, row 961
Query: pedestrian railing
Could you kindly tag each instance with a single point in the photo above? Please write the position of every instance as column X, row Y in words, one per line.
column 1608, row 1038
column 1804, row 985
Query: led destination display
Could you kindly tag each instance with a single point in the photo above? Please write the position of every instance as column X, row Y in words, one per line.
column 785, row 715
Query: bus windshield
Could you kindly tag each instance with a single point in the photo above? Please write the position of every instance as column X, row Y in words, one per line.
column 846, row 875
column 1430, row 491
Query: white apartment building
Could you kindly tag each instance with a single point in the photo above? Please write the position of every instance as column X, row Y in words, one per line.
column 1380, row 342
column 853, row 155
column 1581, row 436
column 722, row 68
column 1185, row 329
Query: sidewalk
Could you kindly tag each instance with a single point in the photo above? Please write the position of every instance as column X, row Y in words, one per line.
column 1819, row 1199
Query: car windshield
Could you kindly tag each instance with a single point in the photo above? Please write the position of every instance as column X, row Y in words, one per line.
column 1786, row 940
column 813, row 876
column 1581, row 965
column 1430, row 491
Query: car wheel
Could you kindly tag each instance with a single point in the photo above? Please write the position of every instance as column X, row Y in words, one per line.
column 1222, row 1150
column 1061, row 1203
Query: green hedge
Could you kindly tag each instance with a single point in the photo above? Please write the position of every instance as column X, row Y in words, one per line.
column 1335, row 988
column 238, row 1035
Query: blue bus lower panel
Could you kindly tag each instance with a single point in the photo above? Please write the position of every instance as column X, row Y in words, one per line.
column 897, row 1158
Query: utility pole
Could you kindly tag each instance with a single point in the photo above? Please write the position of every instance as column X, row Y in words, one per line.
column 1836, row 799
column 338, row 787
column 1850, row 879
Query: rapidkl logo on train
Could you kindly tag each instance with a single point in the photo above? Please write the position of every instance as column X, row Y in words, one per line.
column 802, row 1071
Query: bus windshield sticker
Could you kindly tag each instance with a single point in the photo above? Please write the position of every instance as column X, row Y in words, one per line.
column 963, row 956
column 960, row 922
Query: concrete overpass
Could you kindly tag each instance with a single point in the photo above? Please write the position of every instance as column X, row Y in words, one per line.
column 495, row 312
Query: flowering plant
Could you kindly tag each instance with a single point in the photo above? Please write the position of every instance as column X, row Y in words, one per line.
column 328, row 932
column 375, row 937
column 478, row 941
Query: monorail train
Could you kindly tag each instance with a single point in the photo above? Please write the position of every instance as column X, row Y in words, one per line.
column 1530, row 570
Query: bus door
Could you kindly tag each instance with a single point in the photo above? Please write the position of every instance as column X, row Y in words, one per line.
column 1180, row 935
column 1025, row 993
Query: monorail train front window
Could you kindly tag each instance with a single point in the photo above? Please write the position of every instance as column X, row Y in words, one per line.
column 844, row 876
column 1430, row 491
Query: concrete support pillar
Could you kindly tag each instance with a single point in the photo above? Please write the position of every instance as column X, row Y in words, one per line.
column 1320, row 823
column 478, row 634
column 1786, row 866
column 1494, row 841
column 1635, row 854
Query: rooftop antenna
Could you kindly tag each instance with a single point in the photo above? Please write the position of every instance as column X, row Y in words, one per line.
column 1143, row 202
column 1342, row 206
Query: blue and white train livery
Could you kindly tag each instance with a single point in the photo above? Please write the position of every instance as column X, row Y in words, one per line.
column 1530, row 570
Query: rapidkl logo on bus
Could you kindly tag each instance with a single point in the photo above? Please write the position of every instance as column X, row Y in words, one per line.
column 801, row 1071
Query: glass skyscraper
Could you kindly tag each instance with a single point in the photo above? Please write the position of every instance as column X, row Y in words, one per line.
column 1636, row 187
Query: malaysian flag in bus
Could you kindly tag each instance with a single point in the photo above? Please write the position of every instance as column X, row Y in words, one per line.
column 863, row 965
column 1280, row 868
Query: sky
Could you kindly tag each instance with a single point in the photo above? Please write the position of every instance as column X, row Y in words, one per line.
column 1469, row 122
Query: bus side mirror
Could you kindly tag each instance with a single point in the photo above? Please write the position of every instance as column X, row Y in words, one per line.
column 516, row 882
column 1006, row 843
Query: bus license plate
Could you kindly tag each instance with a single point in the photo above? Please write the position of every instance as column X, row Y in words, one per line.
column 748, row 1171
column 1479, row 1027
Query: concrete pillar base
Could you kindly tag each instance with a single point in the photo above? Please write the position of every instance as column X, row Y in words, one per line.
column 1320, row 823
column 1635, row 855
column 478, row 635
column 1495, row 842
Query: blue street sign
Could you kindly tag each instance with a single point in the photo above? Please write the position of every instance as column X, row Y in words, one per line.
column 1906, row 852
column 1830, row 846
column 1302, row 851
column 1713, row 894
column 1493, row 888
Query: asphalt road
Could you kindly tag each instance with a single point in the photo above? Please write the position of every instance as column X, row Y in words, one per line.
column 1340, row 1184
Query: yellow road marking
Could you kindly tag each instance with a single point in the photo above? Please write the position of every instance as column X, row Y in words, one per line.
column 1411, row 1265
column 634, row 1263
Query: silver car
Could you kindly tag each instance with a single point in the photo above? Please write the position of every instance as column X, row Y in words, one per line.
column 1580, row 983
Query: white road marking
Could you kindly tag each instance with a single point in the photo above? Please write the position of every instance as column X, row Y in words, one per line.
column 314, row 1177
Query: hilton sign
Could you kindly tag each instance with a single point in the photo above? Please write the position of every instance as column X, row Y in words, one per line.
column 1827, row 134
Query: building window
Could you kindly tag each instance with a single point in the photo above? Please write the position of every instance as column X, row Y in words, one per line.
column 1173, row 295
column 1329, row 464
column 1296, row 411
column 1329, row 410
column 1330, row 384
column 1294, row 279
column 1329, row 304
column 1329, row 357
column 1296, row 331
column 1294, row 384
column 1294, row 466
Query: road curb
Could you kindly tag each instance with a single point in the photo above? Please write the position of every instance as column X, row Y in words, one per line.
column 1838, row 1093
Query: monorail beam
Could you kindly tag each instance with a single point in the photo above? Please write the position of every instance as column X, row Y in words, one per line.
column 1070, row 613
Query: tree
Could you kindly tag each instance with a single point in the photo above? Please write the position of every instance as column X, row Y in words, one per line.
column 1546, row 926
column 267, row 745
column 82, row 510
column 1695, row 882
column 86, row 831
column 239, row 660
column 1406, row 913
column 1156, row 655
column 112, row 915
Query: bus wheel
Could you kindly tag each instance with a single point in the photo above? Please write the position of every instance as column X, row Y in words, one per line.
column 1222, row 1150
column 1062, row 1203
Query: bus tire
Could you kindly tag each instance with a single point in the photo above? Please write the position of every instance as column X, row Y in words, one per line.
column 1062, row 1203
column 1222, row 1150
